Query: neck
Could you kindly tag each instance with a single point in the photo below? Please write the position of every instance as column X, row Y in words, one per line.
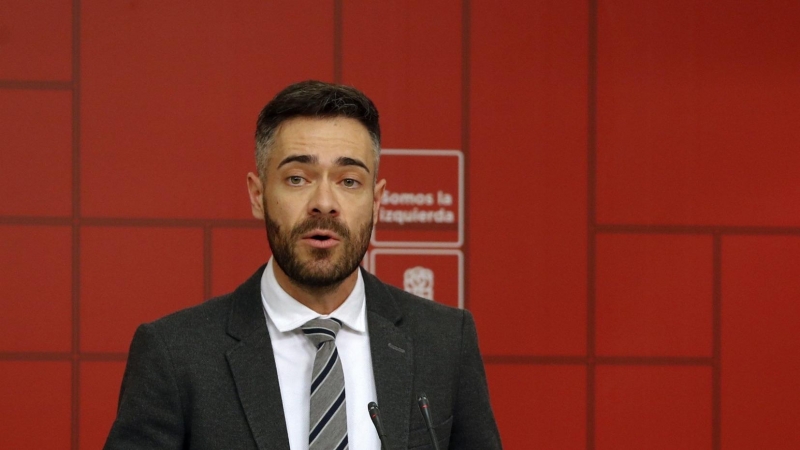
column 323, row 299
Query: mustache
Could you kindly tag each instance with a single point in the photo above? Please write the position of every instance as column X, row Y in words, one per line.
column 321, row 223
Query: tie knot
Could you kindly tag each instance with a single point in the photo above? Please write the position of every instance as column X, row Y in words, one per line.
column 321, row 330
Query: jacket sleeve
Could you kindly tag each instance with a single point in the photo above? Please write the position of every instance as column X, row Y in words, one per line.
column 474, row 427
column 149, row 415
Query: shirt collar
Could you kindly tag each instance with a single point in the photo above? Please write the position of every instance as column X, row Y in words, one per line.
column 288, row 314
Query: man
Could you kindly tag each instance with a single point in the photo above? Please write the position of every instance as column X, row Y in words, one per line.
column 292, row 358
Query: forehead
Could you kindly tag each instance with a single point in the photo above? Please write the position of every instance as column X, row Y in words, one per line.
column 326, row 138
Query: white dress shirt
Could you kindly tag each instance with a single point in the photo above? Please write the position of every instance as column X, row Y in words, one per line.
column 294, row 358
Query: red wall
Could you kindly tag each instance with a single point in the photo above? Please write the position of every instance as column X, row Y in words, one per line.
column 632, row 249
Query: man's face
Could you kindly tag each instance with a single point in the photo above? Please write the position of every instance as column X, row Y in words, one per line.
column 318, row 199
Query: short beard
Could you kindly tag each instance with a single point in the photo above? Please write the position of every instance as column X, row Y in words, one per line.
column 313, row 276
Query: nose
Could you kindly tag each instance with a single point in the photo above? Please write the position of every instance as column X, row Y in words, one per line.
column 323, row 201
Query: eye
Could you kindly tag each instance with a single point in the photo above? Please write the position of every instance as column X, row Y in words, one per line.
column 350, row 183
column 295, row 180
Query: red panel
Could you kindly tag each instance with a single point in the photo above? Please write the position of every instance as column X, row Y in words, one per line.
column 406, row 55
column 36, row 406
column 170, row 96
column 135, row 275
column 100, row 383
column 654, row 295
column 548, row 412
column 653, row 408
column 36, row 40
column 36, row 153
column 236, row 254
column 760, row 342
column 526, row 279
column 36, row 286
column 697, row 112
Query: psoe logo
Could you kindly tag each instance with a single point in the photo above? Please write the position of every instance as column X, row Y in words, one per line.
column 419, row 281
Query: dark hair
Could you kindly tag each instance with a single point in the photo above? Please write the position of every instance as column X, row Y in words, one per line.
column 314, row 99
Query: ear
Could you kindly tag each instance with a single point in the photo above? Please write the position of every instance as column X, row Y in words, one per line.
column 256, row 190
column 376, row 200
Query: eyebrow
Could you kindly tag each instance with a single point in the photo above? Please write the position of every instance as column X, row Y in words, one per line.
column 341, row 161
column 346, row 161
column 302, row 159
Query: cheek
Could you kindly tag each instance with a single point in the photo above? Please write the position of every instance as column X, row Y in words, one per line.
column 366, row 210
column 280, row 210
column 286, row 212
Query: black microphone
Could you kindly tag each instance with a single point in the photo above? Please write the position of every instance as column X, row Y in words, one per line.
column 425, row 409
column 375, row 415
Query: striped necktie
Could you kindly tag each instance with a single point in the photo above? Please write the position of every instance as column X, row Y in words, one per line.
column 328, row 412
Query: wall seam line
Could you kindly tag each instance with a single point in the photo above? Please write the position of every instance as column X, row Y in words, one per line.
column 591, row 244
column 337, row 40
column 76, row 226
column 466, row 17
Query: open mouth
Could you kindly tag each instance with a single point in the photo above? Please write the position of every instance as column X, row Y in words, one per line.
column 321, row 238
column 320, row 235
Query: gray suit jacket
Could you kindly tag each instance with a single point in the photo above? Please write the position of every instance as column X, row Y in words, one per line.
column 205, row 377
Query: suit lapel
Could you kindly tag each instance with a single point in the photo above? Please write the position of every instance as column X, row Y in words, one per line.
column 392, row 360
column 252, row 364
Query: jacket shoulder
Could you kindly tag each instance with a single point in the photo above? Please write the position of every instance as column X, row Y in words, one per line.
column 422, row 317
column 209, row 313
column 213, row 315
column 413, row 305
